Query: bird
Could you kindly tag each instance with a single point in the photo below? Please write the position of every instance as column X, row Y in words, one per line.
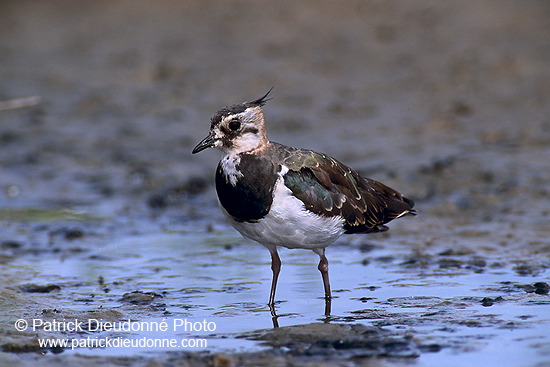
column 280, row 196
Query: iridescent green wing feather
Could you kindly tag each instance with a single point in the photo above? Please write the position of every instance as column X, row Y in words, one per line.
column 328, row 187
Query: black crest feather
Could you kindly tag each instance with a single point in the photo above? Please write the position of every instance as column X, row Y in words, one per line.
column 262, row 100
column 238, row 108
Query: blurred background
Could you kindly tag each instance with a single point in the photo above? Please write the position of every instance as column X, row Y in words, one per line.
column 446, row 101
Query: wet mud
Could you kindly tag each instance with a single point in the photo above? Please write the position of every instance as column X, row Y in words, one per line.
column 110, row 229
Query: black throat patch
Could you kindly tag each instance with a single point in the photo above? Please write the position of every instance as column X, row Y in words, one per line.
column 251, row 197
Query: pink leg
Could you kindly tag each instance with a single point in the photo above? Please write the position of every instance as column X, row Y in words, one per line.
column 275, row 268
column 323, row 268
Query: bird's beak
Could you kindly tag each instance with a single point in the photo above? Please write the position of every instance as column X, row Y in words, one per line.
column 205, row 143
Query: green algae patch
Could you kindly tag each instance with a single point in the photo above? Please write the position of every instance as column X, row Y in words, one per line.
column 44, row 215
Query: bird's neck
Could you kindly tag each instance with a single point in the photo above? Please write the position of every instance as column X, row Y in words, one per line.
column 249, row 143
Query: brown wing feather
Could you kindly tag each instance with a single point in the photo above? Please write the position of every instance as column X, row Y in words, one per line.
column 328, row 187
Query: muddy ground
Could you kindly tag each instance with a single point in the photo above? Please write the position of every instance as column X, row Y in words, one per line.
column 105, row 214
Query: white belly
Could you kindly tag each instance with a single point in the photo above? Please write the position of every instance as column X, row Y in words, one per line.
column 290, row 225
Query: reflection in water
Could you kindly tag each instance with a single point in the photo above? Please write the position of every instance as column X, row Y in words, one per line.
column 218, row 278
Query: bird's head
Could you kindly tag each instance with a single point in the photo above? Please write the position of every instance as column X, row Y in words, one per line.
column 237, row 128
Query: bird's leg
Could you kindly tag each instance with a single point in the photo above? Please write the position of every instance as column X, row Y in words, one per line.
column 275, row 268
column 328, row 306
column 323, row 268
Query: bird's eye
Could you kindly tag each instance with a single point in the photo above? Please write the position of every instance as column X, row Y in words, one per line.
column 234, row 124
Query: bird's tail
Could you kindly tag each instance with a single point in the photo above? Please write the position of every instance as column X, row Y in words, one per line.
column 409, row 211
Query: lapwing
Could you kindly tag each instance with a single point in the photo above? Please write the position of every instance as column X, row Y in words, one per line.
column 297, row 198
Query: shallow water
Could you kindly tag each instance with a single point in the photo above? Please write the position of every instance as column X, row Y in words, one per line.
column 431, row 295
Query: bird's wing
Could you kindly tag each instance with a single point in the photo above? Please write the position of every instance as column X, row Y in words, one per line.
column 328, row 187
